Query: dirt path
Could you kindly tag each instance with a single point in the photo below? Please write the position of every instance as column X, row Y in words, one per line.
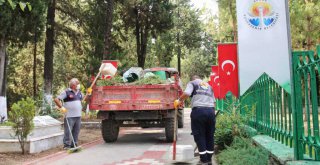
column 86, row 136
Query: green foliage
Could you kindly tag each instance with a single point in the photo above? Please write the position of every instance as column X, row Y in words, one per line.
column 227, row 18
column 227, row 127
column 150, row 80
column 13, row 4
column 91, row 115
column 305, row 23
column 117, row 80
column 21, row 115
column 46, row 109
column 109, row 82
column 146, row 18
column 196, row 62
column 16, row 29
column 7, row 123
column 231, row 123
column 242, row 151
column 188, row 25
column 19, row 26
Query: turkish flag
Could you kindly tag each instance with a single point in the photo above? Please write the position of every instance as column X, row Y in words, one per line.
column 228, row 69
column 215, row 81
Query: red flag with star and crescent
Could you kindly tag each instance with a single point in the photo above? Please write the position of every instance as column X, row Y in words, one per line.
column 228, row 69
column 215, row 81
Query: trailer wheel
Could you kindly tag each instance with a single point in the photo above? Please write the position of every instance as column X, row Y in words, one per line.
column 109, row 130
column 169, row 129
column 180, row 118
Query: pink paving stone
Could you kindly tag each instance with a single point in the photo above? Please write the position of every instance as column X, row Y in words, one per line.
column 157, row 155
column 153, row 154
column 143, row 163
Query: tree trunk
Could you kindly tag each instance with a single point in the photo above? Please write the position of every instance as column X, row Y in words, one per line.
column 108, row 35
column 179, row 53
column 48, row 54
column 3, row 66
column 3, row 58
column 35, row 65
column 144, row 44
column 142, row 32
column 178, row 42
column 309, row 38
column 138, row 34
column 22, row 142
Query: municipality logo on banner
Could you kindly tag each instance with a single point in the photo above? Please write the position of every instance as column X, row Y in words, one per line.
column 261, row 14
column 263, row 42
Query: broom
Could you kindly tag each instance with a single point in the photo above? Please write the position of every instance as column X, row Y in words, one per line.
column 75, row 147
column 90, row 89
column 174, row 144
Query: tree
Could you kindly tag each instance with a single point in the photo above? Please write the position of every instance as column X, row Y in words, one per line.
column 49, row 48
column 22, row 115
column 13, row 4
column 187, row 28
column 147, row 17
column 186, row 34
column 227, row 21
column 305, row 23
column 16, row 28
column 108, row 36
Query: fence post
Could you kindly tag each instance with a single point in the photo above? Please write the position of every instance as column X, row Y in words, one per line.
column 296, row 107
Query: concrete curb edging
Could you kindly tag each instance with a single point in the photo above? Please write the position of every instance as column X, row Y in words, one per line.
column 61, row 154
column 280, row 153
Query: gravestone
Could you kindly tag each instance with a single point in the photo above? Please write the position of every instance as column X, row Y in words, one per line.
column 47, row 134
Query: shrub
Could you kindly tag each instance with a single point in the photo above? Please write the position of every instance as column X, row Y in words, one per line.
column 227, row 127
column 45, row 106
column 230, row 124
column 242, row 151
column 21, row 116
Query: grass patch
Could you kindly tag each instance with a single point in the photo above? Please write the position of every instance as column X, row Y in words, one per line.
column 242, row 151
column 6, row 124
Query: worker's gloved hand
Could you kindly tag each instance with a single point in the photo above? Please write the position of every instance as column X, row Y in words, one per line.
column 63, row 110
column 89, row 91
column 176, row 103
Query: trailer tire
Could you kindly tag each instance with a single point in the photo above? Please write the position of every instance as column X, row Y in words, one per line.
column 169, row 129
column 109, row 130
column 180, row 118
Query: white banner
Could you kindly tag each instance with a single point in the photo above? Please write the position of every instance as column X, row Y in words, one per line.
column 3, row 108
column 263, row 43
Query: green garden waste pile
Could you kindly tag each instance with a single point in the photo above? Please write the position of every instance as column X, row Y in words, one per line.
column 134, row 76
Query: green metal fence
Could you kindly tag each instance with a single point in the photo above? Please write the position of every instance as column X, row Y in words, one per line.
column 296, row 123
column 306, row 67
column 273, row 113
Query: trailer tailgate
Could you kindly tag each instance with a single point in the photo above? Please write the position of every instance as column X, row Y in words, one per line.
column 131, row 97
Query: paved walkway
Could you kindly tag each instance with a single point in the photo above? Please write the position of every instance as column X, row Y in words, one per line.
column 135, row 146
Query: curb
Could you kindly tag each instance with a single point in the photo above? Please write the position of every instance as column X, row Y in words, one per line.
column 94, row 125
column 61, row 154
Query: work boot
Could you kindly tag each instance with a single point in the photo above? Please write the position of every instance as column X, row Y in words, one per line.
column 73, row 146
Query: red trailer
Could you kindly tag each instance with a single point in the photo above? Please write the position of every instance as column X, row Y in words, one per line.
column 138, row 106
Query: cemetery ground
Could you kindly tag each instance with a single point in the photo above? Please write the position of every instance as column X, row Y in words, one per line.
column 86, row 135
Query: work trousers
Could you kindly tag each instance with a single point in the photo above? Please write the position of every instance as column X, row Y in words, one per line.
column 75, row 124
column 203, row 127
